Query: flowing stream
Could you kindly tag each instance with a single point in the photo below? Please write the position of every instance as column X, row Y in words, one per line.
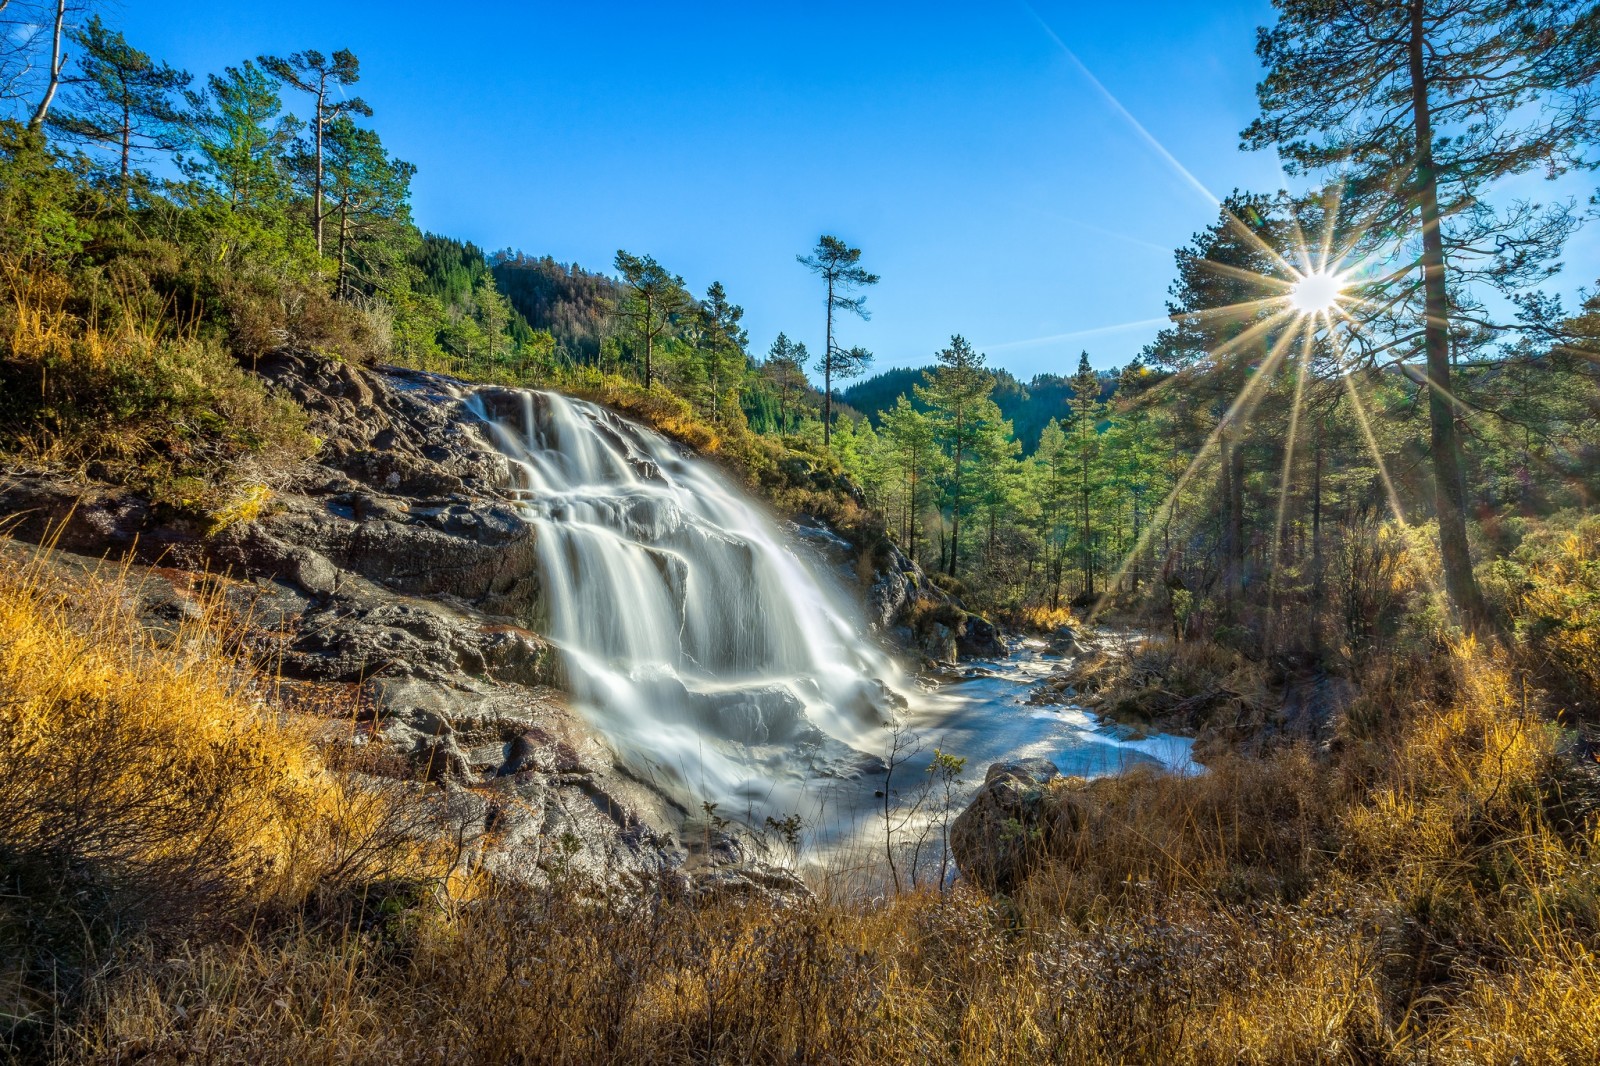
column 722, row 664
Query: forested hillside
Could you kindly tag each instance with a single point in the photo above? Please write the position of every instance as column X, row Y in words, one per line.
column 1028, row 407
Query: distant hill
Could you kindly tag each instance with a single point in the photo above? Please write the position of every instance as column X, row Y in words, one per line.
column 453, row 271
column 569, row 301
column 1029, row 407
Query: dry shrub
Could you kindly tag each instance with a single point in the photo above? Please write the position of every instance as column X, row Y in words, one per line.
column 1245, row 829
column 146, row 785
column 1541, row 1012
column 1041, row 619
column 265, row 313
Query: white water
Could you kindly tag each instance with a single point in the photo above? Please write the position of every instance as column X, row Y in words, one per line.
column 717, row 662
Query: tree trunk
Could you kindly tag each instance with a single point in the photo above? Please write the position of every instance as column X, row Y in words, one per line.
column 127, row 151
column 1232, row 524
column 1316, row 524
column 316, row 197
column 827, row 373
column 649, row 339
column 955, row 506
column 1088, row 535
column 1449, row 486
column 342, row 288
column 57, row 62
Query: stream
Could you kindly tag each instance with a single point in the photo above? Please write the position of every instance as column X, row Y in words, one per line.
column 982, row 716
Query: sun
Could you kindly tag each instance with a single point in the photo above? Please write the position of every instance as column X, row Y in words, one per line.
column 1316, row 293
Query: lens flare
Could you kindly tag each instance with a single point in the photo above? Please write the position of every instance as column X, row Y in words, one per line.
column 1316, row 293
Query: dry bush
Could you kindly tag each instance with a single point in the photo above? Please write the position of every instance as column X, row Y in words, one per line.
column 147, row 787
column 1247, row 829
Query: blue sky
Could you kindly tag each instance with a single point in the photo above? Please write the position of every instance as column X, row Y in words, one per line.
column 998, row 192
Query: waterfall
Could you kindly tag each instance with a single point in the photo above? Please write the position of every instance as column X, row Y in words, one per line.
column 718, row 663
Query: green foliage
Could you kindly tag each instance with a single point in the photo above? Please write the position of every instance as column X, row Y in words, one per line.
column 44, row 204
column 238, row 138
column 121, row 101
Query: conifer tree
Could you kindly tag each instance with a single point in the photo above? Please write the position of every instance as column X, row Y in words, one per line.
column 238, row 136
column 368, row 193
column 723, row 346
column 1420, row 106
column 654, row 301
column 1084, row 444
column 957, row 391
column 784, row 370
column 909, row 436
column 121, row 100
column 320, row 77
column 839, row 267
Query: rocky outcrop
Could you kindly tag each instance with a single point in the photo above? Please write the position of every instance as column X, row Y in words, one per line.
column 389, row 581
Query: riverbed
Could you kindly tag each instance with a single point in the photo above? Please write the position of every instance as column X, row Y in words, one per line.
column 982, row 716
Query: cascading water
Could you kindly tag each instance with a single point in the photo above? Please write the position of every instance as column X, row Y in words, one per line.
column 718, row 663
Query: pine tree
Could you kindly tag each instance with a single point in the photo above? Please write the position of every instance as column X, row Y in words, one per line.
column 320, row 76
column 839, row 266
column 1420, row 106
column 654, row 301
column 1053, row 467
column 909, row 437
column 958, row 390
column 723, row 345
column 784, row 370
column 239, row 138
column 1084, row 446
column 367, row 191
column 121, row 100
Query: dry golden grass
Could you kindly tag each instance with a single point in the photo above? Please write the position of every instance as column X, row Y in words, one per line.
column 148, row 785
column 1426, row 892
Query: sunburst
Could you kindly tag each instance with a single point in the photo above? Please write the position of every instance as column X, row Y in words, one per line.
column 1314, row 290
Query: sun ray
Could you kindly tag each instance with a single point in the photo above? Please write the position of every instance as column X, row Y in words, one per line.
column 1231, row 310
column 1289, row 443
column 1228, row 347
column 1237, row 412
column 1367, row 434
column 1245, row 275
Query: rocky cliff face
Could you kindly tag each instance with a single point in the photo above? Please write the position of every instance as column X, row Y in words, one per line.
column 392, row 570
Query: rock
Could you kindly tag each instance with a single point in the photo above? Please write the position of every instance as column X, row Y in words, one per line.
column 773, row 884
column 980, row 639
column 1064, row 641
column 1002, row 835
column 938, row 643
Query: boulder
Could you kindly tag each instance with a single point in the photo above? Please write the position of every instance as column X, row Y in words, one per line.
column 937, row 643
column 1003, row 834
column 980, row 639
